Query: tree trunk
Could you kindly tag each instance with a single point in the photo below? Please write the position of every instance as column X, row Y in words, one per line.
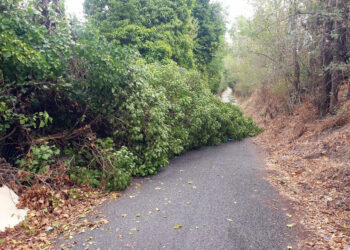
column 347, row 37
column 296, row 80
column 315, row 62
column 326, row 51
column 338, row 50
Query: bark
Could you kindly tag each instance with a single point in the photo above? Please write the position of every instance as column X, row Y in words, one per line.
column 326, row 51
column 347, row 37
column 296, row 80
column 314, row 58
column 338, row 50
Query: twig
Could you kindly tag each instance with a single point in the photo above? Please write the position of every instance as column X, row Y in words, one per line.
column 7, row 136
column 59, row 136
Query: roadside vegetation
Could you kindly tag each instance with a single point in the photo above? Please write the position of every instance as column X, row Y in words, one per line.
column 95, row 103
column 89, row 105
column 290, row 68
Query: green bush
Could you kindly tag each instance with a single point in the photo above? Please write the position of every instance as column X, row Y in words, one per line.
column 107, row 167
column 39, row 159
column 85, row 176
column 117, row 115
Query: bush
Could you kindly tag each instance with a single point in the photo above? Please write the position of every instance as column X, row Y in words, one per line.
column 39, row 159
column 109, row 111
column 107, row 167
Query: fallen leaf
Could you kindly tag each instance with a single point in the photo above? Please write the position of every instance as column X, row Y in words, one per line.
column 114, row 196
column 289, row 247
column 104, row 221
column 157, row 209
column 56, row 223
column 289, row 215
column 178, row 227
column 291, row 225
column 188, row 203
column 138, row 215
column 190, row 182
column 230, row 220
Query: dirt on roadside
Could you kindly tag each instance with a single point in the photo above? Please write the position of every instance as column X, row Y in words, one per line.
column 309, row 163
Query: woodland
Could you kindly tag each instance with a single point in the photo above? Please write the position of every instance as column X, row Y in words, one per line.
column 298, row 49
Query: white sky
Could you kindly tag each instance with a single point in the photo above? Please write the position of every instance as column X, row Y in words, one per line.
column 234, row 8
column 75, row 7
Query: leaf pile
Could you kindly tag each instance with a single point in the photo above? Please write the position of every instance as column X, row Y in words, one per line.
column 309, row 162
column 52, row 214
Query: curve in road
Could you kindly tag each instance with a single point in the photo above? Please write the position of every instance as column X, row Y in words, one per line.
column 211, row 198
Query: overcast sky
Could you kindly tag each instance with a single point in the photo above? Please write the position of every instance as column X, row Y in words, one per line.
column 234, row 8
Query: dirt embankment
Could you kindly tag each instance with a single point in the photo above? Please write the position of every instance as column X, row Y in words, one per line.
column 309, row 162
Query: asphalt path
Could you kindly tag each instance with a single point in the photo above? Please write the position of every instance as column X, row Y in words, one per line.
column 211, row 198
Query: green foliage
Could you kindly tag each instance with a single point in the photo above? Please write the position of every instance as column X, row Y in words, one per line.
column 160, row 29
column 211, row 30
column 28, row 52
column 84, row 176
column 118, row 111
column 107, row 167
column 39, row 159
column 209, row 41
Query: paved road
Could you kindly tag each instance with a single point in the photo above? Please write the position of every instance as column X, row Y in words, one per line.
column 226, row 95
column 215, row 193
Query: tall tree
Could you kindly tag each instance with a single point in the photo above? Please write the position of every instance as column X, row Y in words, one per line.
column 211, row 30
column 209, row 41
column 339, row 49
column 160, row 29
column 306, row 44
column 294, row 15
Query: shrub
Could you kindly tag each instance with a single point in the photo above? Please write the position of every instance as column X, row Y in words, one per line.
column 113, row 114
column 38, row 159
